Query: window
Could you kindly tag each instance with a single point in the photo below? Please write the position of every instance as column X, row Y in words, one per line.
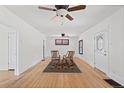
column 100, row 43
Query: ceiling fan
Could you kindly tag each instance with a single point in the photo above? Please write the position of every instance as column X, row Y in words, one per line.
column 62, row 10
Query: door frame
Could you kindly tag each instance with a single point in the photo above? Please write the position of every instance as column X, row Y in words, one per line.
column 17, row 56
column 43, row 47
column 106, row 30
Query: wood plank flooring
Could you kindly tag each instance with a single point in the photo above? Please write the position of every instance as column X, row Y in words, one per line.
column 35, row 78
column 5, row 75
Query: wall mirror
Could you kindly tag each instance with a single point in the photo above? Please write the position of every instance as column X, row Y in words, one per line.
column 80, row 46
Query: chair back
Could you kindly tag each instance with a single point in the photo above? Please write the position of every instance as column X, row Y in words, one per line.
column 54, row 53
column 70, row 54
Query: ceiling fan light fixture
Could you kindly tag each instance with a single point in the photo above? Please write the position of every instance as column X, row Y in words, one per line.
column 61, row 12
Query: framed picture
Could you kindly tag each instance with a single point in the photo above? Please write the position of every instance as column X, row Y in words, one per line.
column 58, row 41
column 80, row 46
column 62, row 42
column 65, row 41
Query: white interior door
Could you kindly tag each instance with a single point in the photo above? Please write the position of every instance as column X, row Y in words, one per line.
column 101, row 51
column 12, row 50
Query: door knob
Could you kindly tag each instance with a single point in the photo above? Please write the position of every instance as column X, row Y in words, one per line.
column 105, row 53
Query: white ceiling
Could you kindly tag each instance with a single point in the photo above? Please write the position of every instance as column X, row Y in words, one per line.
column 83, row 19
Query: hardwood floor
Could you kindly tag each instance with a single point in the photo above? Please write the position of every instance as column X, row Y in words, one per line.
column 5, row 75
column 35, row 78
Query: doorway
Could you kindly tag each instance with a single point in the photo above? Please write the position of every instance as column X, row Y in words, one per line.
column 101, row 53
column 43, row 50
column 7, row 50
column 12, row 51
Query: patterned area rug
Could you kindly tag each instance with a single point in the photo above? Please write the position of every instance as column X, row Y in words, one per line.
column 62, row 68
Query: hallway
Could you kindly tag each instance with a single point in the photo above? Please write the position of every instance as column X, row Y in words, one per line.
column 95, row 35
column 34, row 77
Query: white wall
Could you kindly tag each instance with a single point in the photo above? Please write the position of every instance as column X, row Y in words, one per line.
column 30, row 40
column 73, row 45
column 3, row 49
column 30, row 51
column 115, row 26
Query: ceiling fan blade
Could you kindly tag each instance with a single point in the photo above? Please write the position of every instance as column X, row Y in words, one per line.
column 75, row 8
column 45, row 8
column 69, row 17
